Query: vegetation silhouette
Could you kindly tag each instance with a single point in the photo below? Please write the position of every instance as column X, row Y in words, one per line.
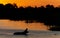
column 48, row 15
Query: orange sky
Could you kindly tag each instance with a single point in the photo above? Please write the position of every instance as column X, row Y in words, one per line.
column 31, row 2
column 6, row 24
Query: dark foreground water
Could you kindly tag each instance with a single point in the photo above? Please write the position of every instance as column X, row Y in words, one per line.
column 31, row 34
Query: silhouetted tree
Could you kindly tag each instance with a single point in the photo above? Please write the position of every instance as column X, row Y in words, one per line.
column 48, row 15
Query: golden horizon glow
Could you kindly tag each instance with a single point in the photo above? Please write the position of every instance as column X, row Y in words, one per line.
column 6, row 24
column 32, row 2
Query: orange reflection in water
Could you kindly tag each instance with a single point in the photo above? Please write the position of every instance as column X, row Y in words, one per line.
column 7, row 24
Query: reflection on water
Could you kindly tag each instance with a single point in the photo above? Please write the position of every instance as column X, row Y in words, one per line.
column 34, row 34
column 7, row 24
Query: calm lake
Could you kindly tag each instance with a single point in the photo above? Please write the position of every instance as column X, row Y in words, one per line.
column 31, row 34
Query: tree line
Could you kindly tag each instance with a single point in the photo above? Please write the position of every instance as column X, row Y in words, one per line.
column 48, row 15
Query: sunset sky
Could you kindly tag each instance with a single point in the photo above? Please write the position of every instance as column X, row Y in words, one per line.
column 32, row 2
column 6, row 24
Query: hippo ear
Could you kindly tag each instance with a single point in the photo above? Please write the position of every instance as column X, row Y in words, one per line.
column 26, row 28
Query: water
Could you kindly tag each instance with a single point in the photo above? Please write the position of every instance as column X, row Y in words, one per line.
column 31, row 34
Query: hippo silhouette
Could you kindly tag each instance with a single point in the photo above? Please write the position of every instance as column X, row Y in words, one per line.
column 22, row 33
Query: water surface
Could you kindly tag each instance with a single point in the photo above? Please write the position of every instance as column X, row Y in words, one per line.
column 31, row 34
